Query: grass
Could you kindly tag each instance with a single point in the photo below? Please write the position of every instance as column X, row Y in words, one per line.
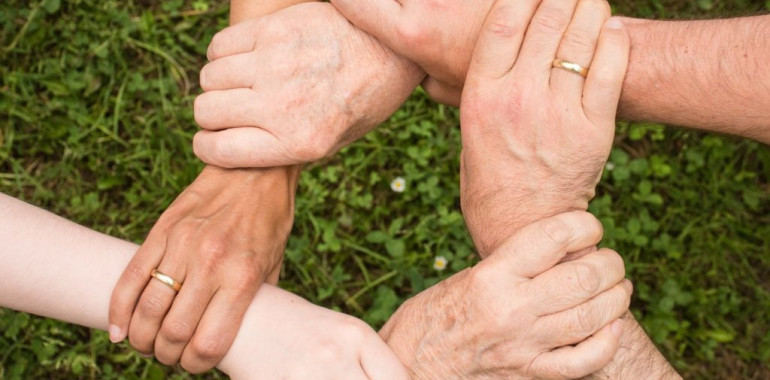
column 95, row 125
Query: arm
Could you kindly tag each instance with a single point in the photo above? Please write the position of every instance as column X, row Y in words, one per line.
column 710, row 75
column 535, row 139
column 55, row 268
column 222, row 237
column 700, row 74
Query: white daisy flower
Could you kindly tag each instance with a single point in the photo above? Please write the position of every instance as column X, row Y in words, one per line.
column 398, row 185
column 440, row 263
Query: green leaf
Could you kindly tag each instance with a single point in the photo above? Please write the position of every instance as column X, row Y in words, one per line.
column 51, row 6
column 395, row 247
column 377, row 237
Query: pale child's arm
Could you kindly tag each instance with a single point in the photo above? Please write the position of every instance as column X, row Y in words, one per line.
column 58, row 269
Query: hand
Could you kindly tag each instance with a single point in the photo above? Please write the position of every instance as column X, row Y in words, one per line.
column 293, row 87
column 222, row 237
column 437, row 35
column 515, row 315
column 285, row 337
column 536, row 138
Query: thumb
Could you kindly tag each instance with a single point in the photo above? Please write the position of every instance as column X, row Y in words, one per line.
column 246, row 147
column 541, row 245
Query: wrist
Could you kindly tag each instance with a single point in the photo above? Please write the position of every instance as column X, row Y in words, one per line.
column 637, row 357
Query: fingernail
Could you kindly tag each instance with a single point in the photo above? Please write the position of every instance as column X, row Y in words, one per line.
column 146, row 356
column 614, row 23
column 116, row 334
column 617, row 327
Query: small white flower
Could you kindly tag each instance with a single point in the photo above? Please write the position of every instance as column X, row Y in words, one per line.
column 440, row 263
column 398, row 185
column 609, row 167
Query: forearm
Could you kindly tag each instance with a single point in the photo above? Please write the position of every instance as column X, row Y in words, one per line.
column 709, row 74
column 637, row 357
column 58, row 269
column 241, row 10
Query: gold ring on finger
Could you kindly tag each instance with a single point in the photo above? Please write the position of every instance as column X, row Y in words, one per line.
column 571, row 67
column 166, row 279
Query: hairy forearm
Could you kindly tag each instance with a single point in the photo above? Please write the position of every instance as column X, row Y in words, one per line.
column 708, row 74
column 637, row 357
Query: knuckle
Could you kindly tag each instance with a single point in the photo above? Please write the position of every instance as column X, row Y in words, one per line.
column 152, row 306
column 208, row 348
column 176, row 331
column 551, row 19
column 136, row 273
column 587, row 321
column 355, row 332
column 557, row 230
column 213, row 250
column 586, row 280
column 502, row 24
column 413, row 34
column 615, row 262
column 579, row 40
column 329, row 350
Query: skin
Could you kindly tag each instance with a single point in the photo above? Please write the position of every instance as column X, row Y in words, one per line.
column 339, row 80
column 55, row 268
column 712, row 68
column 222, row 238
column 510, row 155
column 401, row 331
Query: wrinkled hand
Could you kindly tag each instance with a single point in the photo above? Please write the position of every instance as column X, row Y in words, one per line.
column 222, row 237
column 438, row 35
column 515, row 315
column 536, row 138
column 286, row 337
column 293, row 87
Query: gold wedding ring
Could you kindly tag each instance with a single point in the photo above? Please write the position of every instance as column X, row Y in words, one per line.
column 571, row 67
column 166, row 279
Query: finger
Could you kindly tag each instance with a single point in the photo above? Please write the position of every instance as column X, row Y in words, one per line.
column 584, row 359
column 377, row 17
column 544, row 36
column 573, row 283
column 576, row 324
column 233, row 71
column 497, row 47
column 154, row 303
column 379, row 362
column 181, row 321
column 605, row 79
column 236, row 39
column 249, row 147
column 540, row 245
column 132, row 282
column 217, row 329
column 216, row 110
column 442, row 92
column 578, row 46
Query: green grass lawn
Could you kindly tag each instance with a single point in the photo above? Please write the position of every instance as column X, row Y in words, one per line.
column 96, row 123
